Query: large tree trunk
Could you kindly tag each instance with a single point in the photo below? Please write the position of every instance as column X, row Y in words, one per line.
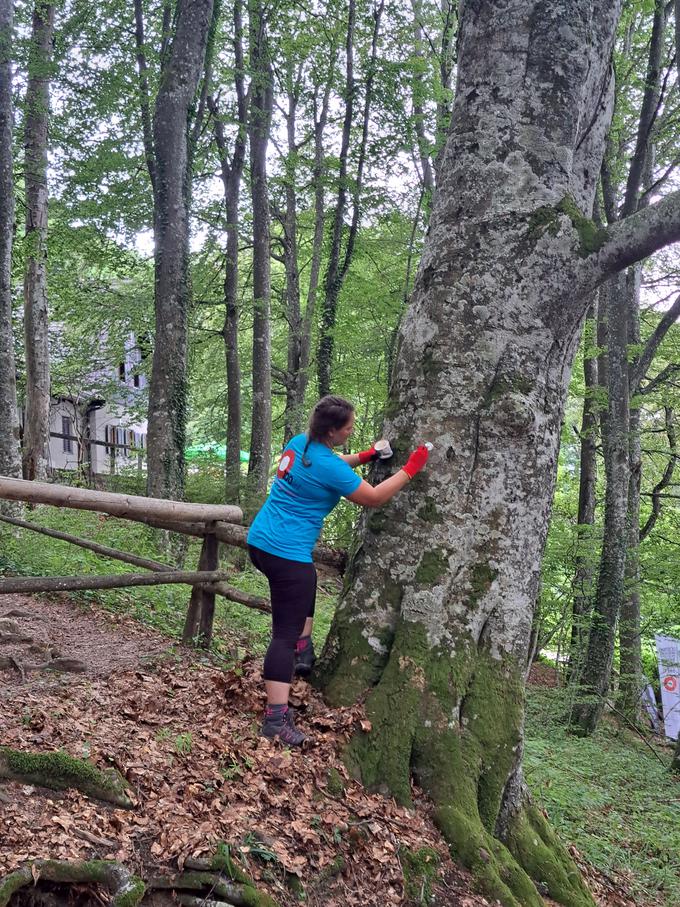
column 168, row 386
column 36, row 439
column 437, row 616
column 259, row 126
column 10, row 462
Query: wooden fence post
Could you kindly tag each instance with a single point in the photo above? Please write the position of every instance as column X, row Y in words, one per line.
column 198, row 625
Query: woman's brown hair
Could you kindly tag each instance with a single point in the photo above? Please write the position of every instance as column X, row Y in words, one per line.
column 329, row 414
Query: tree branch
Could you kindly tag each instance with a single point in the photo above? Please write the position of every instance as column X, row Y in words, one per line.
column 639, row 369
column 665, row 479
column 636, row 237
column 661, row 378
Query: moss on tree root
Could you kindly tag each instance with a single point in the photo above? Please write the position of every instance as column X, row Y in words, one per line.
column 58, row 771
column 126, row 889
column 455, row 721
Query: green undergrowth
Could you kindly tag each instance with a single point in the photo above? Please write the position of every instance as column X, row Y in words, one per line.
column 238, row 630
column 610, row 796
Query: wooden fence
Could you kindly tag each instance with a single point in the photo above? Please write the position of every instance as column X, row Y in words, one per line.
column 214, row 523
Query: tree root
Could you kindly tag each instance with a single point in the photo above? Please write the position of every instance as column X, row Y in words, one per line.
column 126, row 889
column 208, row 888
column 234, row 893
column 190, row 900
column 58, row 771
column 458, row 730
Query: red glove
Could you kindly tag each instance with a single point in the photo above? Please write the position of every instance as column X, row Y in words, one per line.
column 365, row 456
column 416, row 461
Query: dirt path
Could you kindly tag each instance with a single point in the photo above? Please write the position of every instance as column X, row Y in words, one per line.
column 39, row 631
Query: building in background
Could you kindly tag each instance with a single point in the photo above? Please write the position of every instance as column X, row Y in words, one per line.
column 100, row 430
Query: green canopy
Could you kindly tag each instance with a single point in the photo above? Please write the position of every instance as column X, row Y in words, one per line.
column 196, row 451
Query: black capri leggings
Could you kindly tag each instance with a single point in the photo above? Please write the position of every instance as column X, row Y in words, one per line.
column 292, row 586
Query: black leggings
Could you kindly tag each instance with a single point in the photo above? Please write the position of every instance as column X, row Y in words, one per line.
column 292, row 586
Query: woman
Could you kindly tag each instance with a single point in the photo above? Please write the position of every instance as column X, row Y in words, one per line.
column 309, row 482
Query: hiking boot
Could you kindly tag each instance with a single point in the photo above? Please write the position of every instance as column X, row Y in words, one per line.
column 304, row 656
column 278, row 722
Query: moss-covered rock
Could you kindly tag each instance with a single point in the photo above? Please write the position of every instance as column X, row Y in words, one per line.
column 335, row 784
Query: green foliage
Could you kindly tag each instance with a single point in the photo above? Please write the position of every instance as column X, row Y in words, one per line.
column 609, row 795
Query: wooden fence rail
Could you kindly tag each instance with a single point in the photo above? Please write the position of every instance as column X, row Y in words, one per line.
column 214, row 523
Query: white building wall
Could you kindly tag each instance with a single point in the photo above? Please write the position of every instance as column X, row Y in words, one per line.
column 63, row 453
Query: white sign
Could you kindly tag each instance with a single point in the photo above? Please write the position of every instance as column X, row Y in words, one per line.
column 668, row 651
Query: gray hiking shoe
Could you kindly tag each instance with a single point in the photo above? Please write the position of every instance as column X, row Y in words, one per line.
column 304, row 657
column 281, row 725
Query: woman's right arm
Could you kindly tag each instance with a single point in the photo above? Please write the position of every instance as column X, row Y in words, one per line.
column 375, row 495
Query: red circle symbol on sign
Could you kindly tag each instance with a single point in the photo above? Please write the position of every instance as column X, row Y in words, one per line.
column 285, row 463
column 670, row 684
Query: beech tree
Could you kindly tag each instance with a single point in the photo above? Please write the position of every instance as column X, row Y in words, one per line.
column 10, row 464
column 259, row 126
column 36, row 438
column 617, row 596
column 436, row 619
column 168, row 156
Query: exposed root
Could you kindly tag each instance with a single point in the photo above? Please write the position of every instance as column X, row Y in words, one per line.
column 457, row 727
column 212, row 888
column 215, row 886
column 58, row 771
column 126, row 889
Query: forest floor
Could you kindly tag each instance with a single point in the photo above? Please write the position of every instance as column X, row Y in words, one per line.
column 184, row 733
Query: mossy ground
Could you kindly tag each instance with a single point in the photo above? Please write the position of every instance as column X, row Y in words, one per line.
column 607, row 794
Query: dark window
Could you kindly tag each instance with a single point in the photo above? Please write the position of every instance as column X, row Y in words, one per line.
column 136, row 380
column 67, row 431
column 121, row 371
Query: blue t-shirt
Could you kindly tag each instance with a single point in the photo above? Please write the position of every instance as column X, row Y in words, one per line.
column 290, row 521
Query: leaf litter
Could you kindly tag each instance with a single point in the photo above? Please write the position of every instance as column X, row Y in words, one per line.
column 184, row 733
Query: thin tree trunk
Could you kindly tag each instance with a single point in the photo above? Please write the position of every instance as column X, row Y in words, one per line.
column 621, row 540
column 418, row 95
column 259, row 126
column 331, row 287
column 168, row 385
column 630, row 647
column 36, row 319
column 232, row 173
column 615, row 422
column 10, row 461
column 584, row 564
column 449, row 14
column 300, row 379
column 291, row 417
column 336, row 270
